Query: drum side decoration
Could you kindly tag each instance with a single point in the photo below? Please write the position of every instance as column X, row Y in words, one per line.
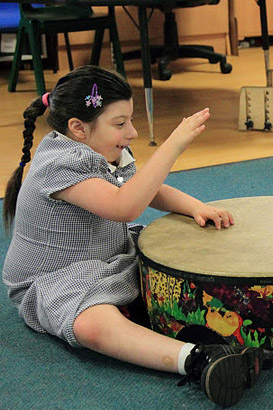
column 242, row 314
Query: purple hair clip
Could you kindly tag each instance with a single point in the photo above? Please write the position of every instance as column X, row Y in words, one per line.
column 95, row 99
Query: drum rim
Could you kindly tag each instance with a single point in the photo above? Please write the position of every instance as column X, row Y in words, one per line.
column 199, row 277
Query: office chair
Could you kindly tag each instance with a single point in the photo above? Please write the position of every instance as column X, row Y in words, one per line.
column 52, row 20
column 171, row 50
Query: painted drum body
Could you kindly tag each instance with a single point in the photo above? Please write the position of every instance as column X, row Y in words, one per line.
column 219, row 279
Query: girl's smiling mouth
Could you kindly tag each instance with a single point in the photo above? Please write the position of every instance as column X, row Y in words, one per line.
column 121, row 146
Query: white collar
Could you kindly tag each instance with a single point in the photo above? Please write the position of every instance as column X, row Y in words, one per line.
column 125, row 159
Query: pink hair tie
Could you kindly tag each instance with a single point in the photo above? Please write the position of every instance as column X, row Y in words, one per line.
column 45, row 99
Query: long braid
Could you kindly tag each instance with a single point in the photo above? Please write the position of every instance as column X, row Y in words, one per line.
column 28, row 140
column 36, row 109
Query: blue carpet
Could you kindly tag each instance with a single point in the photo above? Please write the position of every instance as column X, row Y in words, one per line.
column 39, row 372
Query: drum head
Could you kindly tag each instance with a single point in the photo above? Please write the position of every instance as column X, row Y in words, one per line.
column 245, row 250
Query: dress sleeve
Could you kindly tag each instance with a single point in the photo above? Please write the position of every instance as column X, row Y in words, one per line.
column 71, row 167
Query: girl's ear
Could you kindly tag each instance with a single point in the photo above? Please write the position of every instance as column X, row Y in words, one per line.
column 77, row 128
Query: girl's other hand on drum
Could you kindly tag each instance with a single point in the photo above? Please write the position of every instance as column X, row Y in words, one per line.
column 219, row 216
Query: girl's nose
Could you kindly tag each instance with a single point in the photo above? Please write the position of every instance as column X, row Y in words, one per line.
column 134, row 133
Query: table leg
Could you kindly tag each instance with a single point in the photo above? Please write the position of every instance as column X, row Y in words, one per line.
column 146, row 68
column 115, row 43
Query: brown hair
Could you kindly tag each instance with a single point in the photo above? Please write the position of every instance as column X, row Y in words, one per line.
column 66, row 100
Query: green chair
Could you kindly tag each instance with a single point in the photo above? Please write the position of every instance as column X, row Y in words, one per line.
column 51, row 20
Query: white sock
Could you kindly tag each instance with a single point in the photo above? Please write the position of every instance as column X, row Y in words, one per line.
column 182, row 356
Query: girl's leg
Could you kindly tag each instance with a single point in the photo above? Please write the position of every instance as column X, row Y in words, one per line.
column 222, row 370
column 104, row 329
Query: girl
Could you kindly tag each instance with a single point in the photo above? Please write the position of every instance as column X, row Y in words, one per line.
column 72, row 264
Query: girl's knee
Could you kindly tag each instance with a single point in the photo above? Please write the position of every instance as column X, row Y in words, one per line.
column 90, row 327
column 87, row 330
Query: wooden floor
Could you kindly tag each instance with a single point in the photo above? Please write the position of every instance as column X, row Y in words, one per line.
column 194, row 85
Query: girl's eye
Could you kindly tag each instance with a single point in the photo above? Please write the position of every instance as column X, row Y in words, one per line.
column 120, row 124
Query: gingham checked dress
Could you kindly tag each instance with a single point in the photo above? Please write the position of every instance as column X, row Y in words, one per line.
column 62, row 258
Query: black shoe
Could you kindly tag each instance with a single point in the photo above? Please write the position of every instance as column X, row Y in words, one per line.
column 198, row 334
column 224, row 371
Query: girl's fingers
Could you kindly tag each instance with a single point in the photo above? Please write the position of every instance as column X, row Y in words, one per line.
column 200, row 113
column 198, row 122
column 201, row 117
column 196, row 119
column 227, row 218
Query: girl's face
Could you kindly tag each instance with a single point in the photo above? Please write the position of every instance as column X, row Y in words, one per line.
column 113, row 130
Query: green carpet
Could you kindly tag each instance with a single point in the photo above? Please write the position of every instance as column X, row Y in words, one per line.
column 41, row 372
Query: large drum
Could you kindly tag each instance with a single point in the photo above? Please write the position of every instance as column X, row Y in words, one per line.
column 219, row 279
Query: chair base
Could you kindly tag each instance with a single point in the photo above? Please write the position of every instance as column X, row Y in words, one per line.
column 162, row 57
column 171, row 51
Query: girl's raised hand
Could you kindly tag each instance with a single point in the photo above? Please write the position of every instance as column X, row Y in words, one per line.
column 188, row 129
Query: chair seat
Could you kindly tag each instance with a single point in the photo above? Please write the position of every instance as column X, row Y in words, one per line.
column 69, row 22
column 58, row 13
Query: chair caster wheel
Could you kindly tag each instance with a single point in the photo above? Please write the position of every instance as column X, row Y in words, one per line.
column 164, row 74
column 226, row 68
